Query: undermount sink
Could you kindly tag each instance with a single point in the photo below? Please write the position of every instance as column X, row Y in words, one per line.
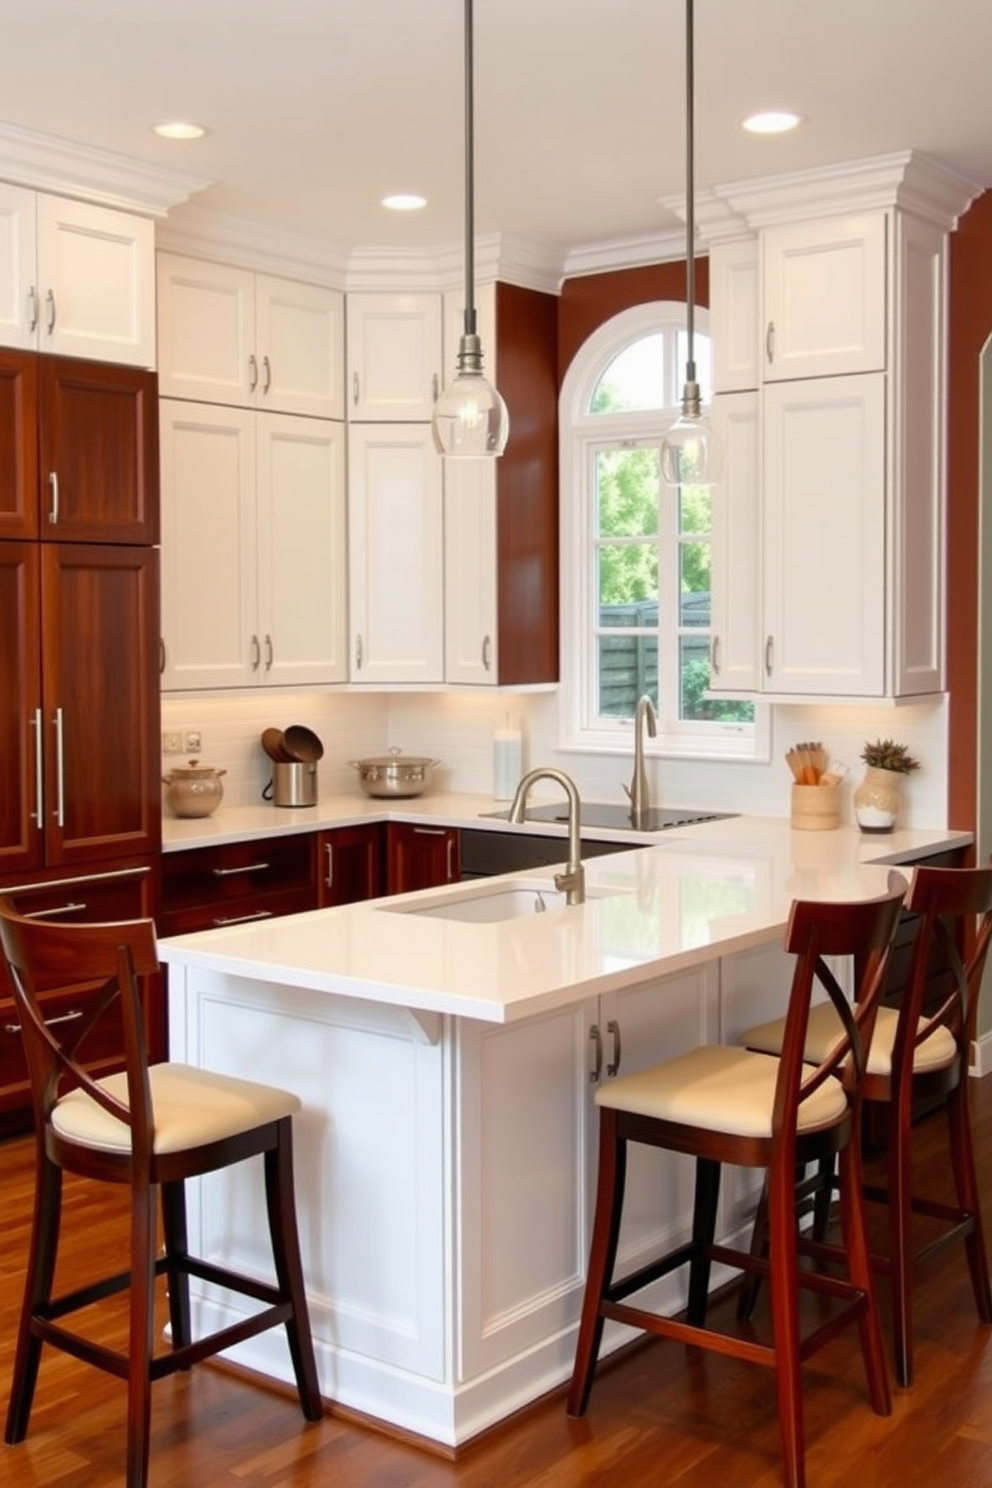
column 512, row 900
column 606, row 814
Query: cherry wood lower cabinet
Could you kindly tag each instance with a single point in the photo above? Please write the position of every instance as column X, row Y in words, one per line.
column 123, row 891
column 205, row 888
column 420, row 857
column 349, row 864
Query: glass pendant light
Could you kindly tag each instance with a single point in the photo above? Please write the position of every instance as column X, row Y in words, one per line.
column 690, row 454
column 470, row 417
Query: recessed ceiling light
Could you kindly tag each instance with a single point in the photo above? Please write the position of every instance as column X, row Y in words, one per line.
column 772, row 121
column 179, row 129
column 404, row 202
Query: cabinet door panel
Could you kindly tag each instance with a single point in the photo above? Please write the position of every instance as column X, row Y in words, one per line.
column 420, row 857
column 394, row 356
column 736, row 548
column 301, row 549
column 209, row 579
column 349, row 864
column 98, row 438
column 471, row 637
column 824, row 297
column 96, row 270
column 395, row 554
column 18, row 280
column 299, row 330
column 21, row 838
column 206, row 331
column 824, row 582
column 100, row 608
column 18, row 444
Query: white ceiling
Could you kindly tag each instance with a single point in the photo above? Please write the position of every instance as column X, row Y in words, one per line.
column 318, row 108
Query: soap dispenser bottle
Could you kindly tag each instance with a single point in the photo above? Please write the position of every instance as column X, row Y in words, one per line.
column 507, row 761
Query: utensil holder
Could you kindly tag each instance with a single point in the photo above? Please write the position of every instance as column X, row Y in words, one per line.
column 815, row 808
column 292, row 785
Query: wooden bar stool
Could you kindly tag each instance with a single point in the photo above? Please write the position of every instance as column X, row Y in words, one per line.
column 722, row 1104
column 148, row 1128
column 920, row 1052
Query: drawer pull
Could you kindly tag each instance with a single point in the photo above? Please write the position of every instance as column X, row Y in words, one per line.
column 71, row 1017
column 429, row 831
column 260, row 914
column 57, row 909
column 245, row 868
column 115, row 874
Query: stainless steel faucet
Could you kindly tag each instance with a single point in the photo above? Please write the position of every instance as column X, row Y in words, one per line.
column 637, row 791
column 572, row 883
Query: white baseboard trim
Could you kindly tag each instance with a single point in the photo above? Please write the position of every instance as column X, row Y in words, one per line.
column 981, row 1056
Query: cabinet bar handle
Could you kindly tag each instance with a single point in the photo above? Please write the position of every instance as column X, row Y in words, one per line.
column 37, row 727
column 613, row 1068
column 161, row 655
column 79, row 878
column 252, row 372
column 429, row 831
column 715, row 655
column 50, row 302
column 53, row 482
column 597, row 1044
column 268, row 653
column 260, row 914
column 79, row 907
column 245, row 868
column 256, row 653
column 358, row 653
column 769, row 649
column 354, row 388
column 451, row 851
column 770, row 342
column 487, row 652
column 266, row 374
column 435, row 386
column 60, row 768
column 71, row 1017
column 32, row 309
column 329, row 875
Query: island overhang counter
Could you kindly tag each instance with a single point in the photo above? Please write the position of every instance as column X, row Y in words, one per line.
column 445, row 1152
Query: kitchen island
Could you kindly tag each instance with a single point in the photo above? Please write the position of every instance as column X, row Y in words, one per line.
column 447, row 1061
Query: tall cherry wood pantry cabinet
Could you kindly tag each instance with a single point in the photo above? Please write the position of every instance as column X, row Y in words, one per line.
column 80, row 796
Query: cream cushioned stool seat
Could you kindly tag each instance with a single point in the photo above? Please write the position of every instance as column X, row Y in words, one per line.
column 825, row 1028
column 725, row 1089
column 146, row 1129
column 720, row 1104
column 919, row 1053
column 190, row 1107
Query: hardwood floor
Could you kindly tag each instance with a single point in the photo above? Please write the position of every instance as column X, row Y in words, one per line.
column 660, row 1416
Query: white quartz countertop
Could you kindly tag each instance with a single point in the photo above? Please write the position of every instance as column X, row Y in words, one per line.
column 694, row 894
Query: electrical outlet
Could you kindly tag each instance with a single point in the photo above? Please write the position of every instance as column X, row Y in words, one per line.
column 172, row 742
column 193, row 741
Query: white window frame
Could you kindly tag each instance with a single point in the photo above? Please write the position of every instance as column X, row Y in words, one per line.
column 580, row 433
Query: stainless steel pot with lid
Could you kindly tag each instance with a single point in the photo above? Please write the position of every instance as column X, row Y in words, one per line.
column 393, row 774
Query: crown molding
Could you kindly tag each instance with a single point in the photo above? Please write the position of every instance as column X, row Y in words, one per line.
column 906, row 179
column 442, row 267
column 624, row 253
column 47, row 163
column 201, row 232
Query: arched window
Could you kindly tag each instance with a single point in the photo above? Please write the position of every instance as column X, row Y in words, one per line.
column 635, row 554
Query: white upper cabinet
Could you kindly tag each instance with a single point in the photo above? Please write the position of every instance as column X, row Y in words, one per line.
column 394, row 357
column 824, row 297
column 76, row 279
column 396, row 554
column 229, row 336
column 828, row 565
column 253, row 548
column 735, row 301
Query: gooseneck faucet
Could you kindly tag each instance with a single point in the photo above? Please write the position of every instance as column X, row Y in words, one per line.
column 637, row 791
column 573, row 881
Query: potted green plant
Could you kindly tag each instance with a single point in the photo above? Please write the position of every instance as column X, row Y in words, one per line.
column 878, row 799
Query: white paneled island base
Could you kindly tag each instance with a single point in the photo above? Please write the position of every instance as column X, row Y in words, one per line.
column 447, row 1067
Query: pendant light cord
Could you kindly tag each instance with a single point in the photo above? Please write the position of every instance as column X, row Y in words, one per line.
column 690, row 215
column 469, row 326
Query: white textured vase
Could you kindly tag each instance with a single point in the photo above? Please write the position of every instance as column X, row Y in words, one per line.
column 878, row 799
